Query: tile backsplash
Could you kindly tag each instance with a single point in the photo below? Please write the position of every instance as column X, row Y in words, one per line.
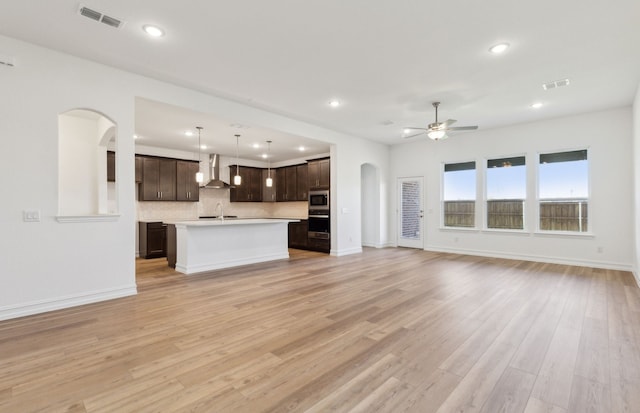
column 209, row 198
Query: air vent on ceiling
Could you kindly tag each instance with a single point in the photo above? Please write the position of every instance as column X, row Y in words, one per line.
column 7, row 60
column 100, row 17
column 555, row 84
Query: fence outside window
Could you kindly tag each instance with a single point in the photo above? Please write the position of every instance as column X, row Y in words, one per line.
column 564, row 215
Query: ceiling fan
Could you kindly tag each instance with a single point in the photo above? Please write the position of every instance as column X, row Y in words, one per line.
column 438, row 130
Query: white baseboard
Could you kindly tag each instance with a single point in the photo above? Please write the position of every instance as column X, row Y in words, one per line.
column 537, row 258
column 379, row 245
column 43, row 306
column 636, row 276
column 346, row 251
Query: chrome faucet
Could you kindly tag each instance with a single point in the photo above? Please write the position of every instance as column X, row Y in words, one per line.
column 219, row 204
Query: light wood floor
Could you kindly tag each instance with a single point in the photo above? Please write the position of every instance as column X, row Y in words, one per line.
column 393, row 330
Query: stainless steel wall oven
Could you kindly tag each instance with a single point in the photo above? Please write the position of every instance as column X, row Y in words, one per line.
column 319, row 224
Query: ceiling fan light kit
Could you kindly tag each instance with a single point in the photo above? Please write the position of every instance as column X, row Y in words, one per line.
column 438, row 130
column 436, row 135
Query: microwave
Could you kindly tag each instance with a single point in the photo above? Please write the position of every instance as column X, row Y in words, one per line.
column 319, row 200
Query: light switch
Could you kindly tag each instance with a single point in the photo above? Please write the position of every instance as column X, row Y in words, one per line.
column 31, row 215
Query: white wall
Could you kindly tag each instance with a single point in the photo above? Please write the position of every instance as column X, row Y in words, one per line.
column 346, row 221
column 78, row 146
column 608, row 136
column 636, row 183
column 48, row 264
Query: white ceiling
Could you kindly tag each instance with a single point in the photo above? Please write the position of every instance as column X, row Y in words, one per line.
column 162, row 125
column 385, row 60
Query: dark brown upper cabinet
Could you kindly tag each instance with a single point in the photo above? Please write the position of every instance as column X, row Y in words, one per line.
column 302, row 186
column 138, row 169
column 291, row 183
column 250, row 189
column 319, row 174
column 187, row 189
column 111, row 166
column 158, row 179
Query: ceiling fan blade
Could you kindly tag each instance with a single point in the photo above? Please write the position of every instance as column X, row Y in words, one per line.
column 463, row 128
column 415, row 134
column 449, row 122
column 411, row 127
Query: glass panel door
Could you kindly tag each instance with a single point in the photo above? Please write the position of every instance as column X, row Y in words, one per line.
column 410, row 213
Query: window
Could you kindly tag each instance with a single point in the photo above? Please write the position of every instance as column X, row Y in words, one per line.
column 459, row 194
column 563, row 179
column 506, row 192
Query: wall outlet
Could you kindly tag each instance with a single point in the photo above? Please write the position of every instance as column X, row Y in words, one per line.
column 31, row 215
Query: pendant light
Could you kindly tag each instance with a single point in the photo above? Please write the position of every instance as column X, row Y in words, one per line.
column 237, row 180
column 199, row 175
column 269, row 180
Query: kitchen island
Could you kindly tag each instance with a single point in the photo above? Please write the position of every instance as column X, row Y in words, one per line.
column 205, row 245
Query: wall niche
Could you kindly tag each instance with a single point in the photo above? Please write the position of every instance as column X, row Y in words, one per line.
column 84, row 138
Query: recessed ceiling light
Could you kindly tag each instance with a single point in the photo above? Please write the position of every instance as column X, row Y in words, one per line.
column 406, row 131
column 536, row 105
column 499, row 48
column 188, row 133
column 301, row 148
column 264, row 156
column 203, row 146
column 256, row 145
column 153, row 31
column 135, row 136
column 334, row 103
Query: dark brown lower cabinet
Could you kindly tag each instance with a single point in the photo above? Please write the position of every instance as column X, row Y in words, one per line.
column 321, row 245
column 152, row 239
column 298, row 234
column 299, row 238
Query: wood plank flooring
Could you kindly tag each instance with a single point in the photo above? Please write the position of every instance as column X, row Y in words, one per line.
column 391, row 330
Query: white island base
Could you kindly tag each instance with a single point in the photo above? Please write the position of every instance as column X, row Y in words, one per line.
column 207, row 245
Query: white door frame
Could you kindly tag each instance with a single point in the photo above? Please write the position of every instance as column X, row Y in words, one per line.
column 418, row 240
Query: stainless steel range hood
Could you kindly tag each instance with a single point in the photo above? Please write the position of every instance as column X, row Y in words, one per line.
column 214, row 171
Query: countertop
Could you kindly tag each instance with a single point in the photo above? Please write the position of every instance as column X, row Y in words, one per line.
column 228, row 221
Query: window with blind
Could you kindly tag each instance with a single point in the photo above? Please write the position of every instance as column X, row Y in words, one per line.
column 506, row 192
column 459, row 194
column 563, row 192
